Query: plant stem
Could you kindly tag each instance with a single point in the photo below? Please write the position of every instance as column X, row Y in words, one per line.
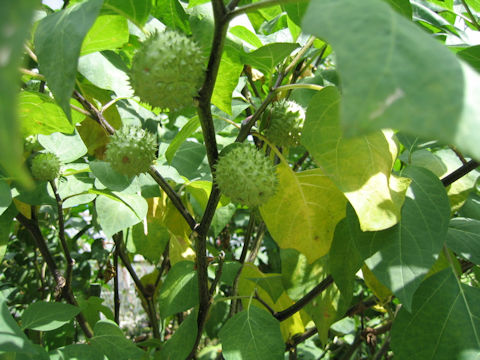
column 173, row 196
column 218, row 273
column 299, row 86
column 151, row 311
column 33, row 228
column 300, row 304
column 61, row 235
column 116, row 290
column 470, row 14
column 460, row 172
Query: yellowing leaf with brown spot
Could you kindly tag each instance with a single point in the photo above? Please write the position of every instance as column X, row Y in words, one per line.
column 360, row 167
column 304, row 211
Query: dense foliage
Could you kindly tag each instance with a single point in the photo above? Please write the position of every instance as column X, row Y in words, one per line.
column 346, row 226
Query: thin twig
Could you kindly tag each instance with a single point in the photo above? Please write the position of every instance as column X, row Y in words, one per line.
column 246, row 241
column 474, row 21
column 61, row 236
column 300, row 338
column 164, row 265
column 264, row 303
column 116, row 290
column 300, row 304
column 300, row 161
column 218, row 273
column 32, row 227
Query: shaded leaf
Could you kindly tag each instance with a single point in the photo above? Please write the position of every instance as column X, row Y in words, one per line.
column 443, row 324
column 304, row 212
column 412, row 246
column 350, row 247
column 185, row 132
column 13, row 339
column 172, row 14
column 471, row 55
column 179, row 292
column 361, row 167
column 110, row 341
column 76, row 351
column 182, row 341
column 463, row 237
column 386, row 84
column 5, row 196
column 248, row 287
column 16, row 20
column 115, row 215
column 137, row 11
column 252, row 334
column 58, row 59
column 45, row 316
column 67, row 147
column 268, row 56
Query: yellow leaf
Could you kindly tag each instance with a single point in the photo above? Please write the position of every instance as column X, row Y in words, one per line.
column 360, row 167
column 304, row 212
column 23, row 208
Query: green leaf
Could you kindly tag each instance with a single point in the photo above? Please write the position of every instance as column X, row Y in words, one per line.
column 188, row 129
column 149, row 241
column 296, row 11
column 361, row 167
column 136, row 11
column 172, row 14
column 471, row 55
column 92, row 308
column 190, row 160
column 179, row 292
column 110, row 341
column 304, row 212
column 231, row 67
column 182, row 341
column 6, row 220
column 58, row 59
column 76, row 352
column 267, row 57
column 16, row 20
column 45, row 316
column 113, row 180
column 106, row 70
column 387, row 84
column 411, row 247
column 443, row 324
column 67, row 147
column 108, row 32
column 5, row 196
column 115, row 215
column 442, row 163
column 40, row 115
column 402, row 7
column 13, row 339
column 471, row 208
column 350, row 247
column 463, row 238
column 246, row 35
column 271, row 283
column 252, row 334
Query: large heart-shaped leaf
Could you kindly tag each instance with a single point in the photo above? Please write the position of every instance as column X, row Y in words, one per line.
column 304, row 212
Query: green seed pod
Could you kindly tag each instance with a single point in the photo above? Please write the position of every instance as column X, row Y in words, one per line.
column 167, row 70
column 283, row 122
column 131, row 150
column 245, row 175
column 45, row 166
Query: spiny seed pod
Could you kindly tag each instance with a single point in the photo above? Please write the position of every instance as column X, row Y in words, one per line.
column 131, row 150
column 167, row 70
column 45, row 166
column 245, row 175
column 283, row 123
